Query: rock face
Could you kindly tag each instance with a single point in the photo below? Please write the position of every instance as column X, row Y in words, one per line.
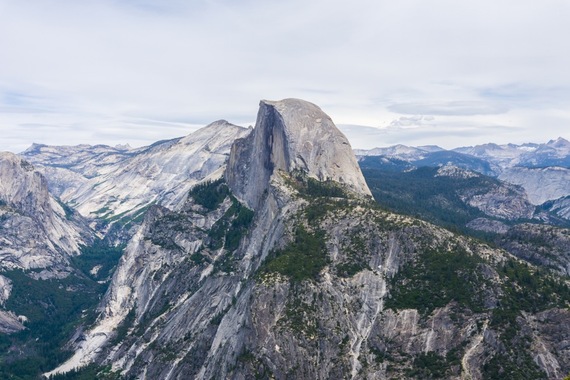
column 37, row 232
column 541, row 184
column 291, row 135
column 135, row 281
column 560, row 207
column 504, row 201
column 5, row 289
column 114, row 183
column 499, row 200
column 543, row 245
column 284, row 268
column 9, row 322
column 540, row 169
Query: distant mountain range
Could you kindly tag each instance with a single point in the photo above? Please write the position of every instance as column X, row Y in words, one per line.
column 489, row 191
column 498, row 157
column 542, row 170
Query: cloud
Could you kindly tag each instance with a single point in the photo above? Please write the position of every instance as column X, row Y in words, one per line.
column 413, row 121
column 522, row 95
column 90, row 63
column 463, row 108
column 446, row 135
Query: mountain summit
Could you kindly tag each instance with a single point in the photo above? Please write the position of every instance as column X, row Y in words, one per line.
column 285, row 268
column 291, row 135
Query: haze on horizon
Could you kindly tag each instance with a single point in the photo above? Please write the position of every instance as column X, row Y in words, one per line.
column 412, row 72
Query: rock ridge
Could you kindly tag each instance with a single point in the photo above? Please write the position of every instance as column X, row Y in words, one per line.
column 291, row 135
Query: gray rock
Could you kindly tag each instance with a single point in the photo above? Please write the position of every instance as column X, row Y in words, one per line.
column 114, row 184
column 488, row 225
column 184, row 305
column 291, row 135
column 36, row 231
column 10, row 323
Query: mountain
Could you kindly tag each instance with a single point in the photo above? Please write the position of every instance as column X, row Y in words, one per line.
column 291, row 135
column 200, row 227
column 38, row 235
column 477, row 205
column 39, row 232
column 50, row 287
column 553, row 153
column 117, row 185
column 540, row 169
column 401, row 152
column 560, row 207
column 541, row 184
column 448, row 195
column 428, row 156
column 281, row 266
column 501, row 156
column 445, row 157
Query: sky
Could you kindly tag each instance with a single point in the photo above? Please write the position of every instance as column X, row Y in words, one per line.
column 414, row 72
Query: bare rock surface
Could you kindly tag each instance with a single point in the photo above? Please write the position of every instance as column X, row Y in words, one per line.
column 111, row 183
column 37, row 232
column 291, row 135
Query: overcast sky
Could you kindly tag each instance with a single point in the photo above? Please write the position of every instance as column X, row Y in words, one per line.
column 415, row 72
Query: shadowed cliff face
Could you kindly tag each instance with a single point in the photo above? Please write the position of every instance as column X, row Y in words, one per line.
column 291, row 135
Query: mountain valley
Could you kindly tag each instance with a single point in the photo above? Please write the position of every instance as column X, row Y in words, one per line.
column 274, row 252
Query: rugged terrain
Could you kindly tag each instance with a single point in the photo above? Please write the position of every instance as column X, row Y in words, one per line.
column 284, row 267
column 260, row 253
column 38, row 231
column 541, row 170
column 117, row 185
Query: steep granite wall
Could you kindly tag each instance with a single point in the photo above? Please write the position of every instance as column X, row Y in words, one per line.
column 291, row 135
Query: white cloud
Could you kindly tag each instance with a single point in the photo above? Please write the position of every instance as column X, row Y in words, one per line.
column 90, row 65
column 465, row 108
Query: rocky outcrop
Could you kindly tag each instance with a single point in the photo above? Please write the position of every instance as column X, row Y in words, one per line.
column 502, row 200
column 560, row 207
column 542, row 245
column 315, row 283
column 111, row 184
column 291, row 135
column 5, row 289
column 541, row 184
column 9, row 322
column 37, row 232
column 488, row 225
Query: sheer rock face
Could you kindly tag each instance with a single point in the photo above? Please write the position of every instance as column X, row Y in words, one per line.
column 291, row 135
column 36, row 231
column 541, row 184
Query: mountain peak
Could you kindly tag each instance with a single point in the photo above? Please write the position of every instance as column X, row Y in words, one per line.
column 559, row 143
column 126, row 146
column 291, row 135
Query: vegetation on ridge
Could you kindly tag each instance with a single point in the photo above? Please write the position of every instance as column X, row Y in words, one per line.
column 210, row 194
column 54, row 309
column 436, row 278
column 302, row 259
